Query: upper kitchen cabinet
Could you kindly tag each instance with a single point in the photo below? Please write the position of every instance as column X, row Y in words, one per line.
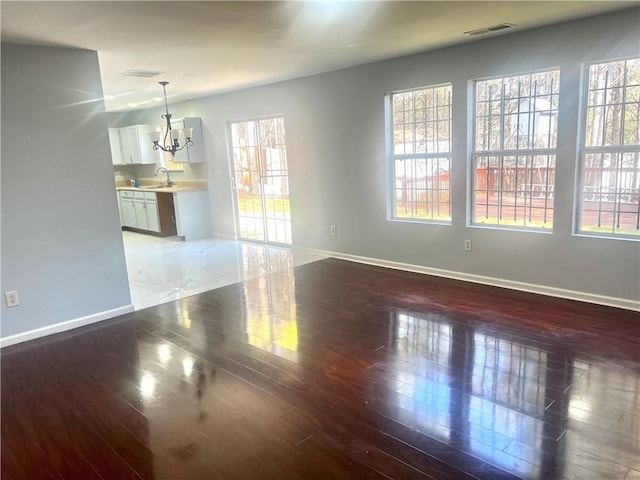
column 136, row 145
column 131, row 145
column 116, row 147
column 190, row 154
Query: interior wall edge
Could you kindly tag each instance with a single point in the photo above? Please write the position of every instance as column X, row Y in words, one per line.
column 65, row 326
column 624, row 303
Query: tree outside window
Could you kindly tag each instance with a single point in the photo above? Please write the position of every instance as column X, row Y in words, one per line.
column 515, row 138
column 609, row 193
column 421, row 159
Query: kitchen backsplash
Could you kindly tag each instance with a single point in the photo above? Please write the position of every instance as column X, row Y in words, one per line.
column 125, row 173
column 156, row 180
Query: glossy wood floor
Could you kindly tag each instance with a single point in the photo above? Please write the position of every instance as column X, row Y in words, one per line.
column 332, row 370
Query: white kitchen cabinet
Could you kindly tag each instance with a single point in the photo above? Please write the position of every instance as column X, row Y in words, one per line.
column 116, row 146
column 128, row 210
column 184, row 213
column 190, row 154
column 136, row 147
column 151, row 208
column 146, row 211
column 139, row 210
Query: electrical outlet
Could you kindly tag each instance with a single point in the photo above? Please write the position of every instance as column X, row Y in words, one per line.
column 332, row 229
column 11, row 299
column 467, row 245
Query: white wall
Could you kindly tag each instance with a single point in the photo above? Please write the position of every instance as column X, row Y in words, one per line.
column 61, row 241
column 336, row 144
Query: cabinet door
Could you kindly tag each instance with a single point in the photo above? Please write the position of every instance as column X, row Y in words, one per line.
column 132, row 145
column 129, row 141
column 141, row 214
column 151, row 206
column 128, row 213
column 146, row 153
column 116, row 147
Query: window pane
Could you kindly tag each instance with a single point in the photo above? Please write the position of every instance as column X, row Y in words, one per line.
column 515, row 141
column 514, row 190
column 610, row 196
column 522, row 113
column 422, row 154
column 612, row 104
column 422, row 189
column 609, row 199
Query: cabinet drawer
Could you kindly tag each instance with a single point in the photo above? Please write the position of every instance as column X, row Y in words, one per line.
column 126, row 194
column 150, row 196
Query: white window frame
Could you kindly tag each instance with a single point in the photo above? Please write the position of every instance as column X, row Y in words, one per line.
column 618, row 195
column 540, row 192
column 432, row 159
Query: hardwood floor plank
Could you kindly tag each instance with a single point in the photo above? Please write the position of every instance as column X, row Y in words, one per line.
column 331, row 370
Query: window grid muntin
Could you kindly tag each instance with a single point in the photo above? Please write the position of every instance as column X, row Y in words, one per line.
column 611, row 206
column 609, row 196
column 490, row 140
column 423, row 191
column 261, row 177
column 529, row 189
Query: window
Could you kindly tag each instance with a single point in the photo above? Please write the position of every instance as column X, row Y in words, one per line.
column 166, row 159
column 421, row 159
column 514, row 155
column 609, row 193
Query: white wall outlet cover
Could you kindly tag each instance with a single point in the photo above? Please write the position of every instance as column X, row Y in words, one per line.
column 11, row 299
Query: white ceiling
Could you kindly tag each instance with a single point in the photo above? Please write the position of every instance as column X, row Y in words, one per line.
column 211, row 47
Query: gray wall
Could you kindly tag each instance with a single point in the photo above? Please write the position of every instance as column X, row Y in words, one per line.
column 61, row 242
column 336, row 145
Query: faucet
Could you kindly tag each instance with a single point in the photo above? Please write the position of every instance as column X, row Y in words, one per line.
column 169, row 182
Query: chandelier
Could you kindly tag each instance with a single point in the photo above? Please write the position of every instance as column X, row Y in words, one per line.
column 171, row 140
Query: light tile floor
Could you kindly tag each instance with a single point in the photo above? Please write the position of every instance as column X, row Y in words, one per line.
column 165, row 269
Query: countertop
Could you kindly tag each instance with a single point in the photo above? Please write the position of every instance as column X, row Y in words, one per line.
column 183, row 186
column 174, row 189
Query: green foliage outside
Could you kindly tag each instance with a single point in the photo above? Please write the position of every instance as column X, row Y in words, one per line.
column 252, row 205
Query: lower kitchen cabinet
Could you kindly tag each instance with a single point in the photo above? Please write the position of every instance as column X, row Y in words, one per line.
column 128, row 209
column 149, row 212
column 142, row 215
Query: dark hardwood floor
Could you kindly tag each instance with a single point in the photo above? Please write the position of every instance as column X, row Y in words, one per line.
column 332, row 370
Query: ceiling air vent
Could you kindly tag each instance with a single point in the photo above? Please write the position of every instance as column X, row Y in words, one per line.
column 493, row 28
column 140, row 73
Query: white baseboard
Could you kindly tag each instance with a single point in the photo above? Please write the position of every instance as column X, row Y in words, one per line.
column 64, row 326
column 627, row 304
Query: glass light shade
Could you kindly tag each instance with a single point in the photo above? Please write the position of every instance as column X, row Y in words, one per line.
column 188, row 132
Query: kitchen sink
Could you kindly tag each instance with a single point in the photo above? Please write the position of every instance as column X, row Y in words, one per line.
column 149, row 187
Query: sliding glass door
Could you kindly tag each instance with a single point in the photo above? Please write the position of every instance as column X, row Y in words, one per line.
column 261, row 180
